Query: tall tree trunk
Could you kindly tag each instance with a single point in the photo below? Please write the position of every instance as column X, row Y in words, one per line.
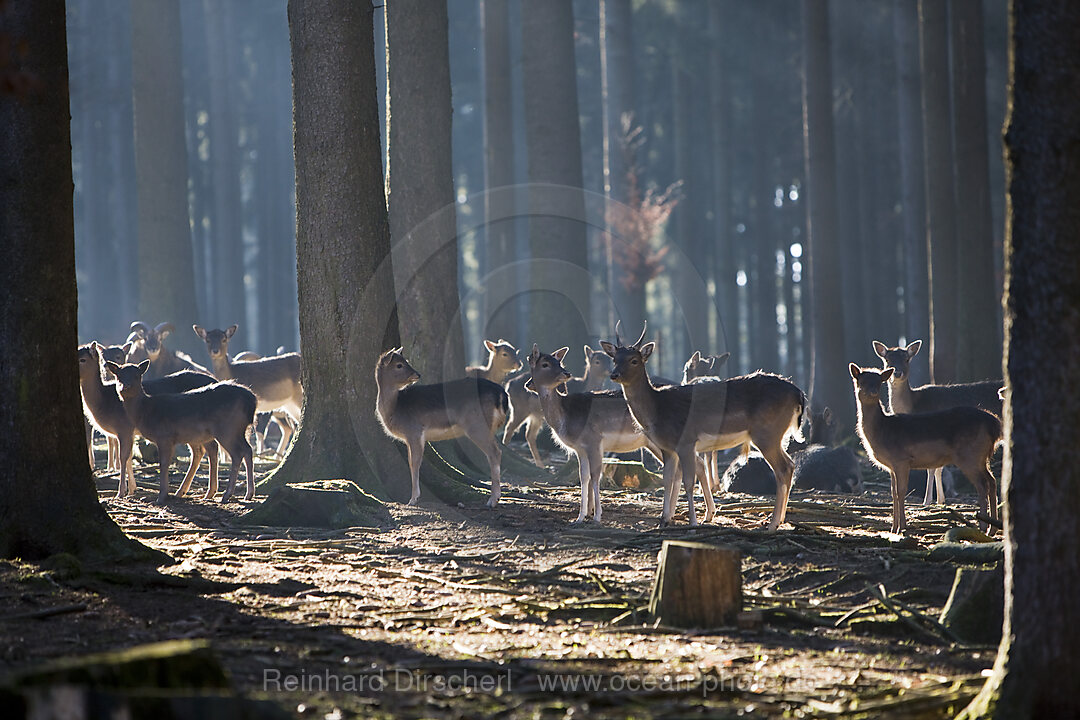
column 48, row 502
column 345, row 274
column 420, row 187
column 912, row 178
column 724, row 258
column 1042, row 361
column 501, row 316
column 829, row 388
column 559, row 284
column 617, row 90
column 226, row 231
column 166, row 266
column 940, row 204
column 977, row 304
column 763, row 286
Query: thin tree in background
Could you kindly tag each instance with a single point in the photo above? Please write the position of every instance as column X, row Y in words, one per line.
column 829, row 385
column 635, row 228
column 48, row 501
column 166, row 264
column 940, row 207
column 977, row 305
column 502, row 321
column 912, row 178
column 344, row 272
column 1038, row 651
column 559, row 306
column 420, row 187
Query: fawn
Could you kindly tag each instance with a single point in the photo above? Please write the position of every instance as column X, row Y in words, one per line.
column 501, row 362
column 905, row 399
column 758, row 409
column 415, row 414
column 220, row 412
column 963, row 436
column 587, row 424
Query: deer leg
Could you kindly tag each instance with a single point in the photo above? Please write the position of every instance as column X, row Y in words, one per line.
column 211, row 449
column 688, row 464
column 939, row 485
column 165, row 458
column 485, row 440
column 532, row 431
column 127, row 475
column 899, row 475
column 928, row 497
column 782, row 468
column 286, row 426
column 235, row 455
column 197, row 453
column 416, row 456
column 671, row 467
column 90, row 443
column 114, row 452
column 596, row 469
column 583, row 475
column 249, row 461
column 701, row 468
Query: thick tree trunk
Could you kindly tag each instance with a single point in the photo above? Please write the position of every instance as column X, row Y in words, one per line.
column 1042, row 361
column 829, row 388
column 345, row 275
column 501, row 316
column 420, row 187
column 912, row 178
column 166, row 265
column 48, row 502
column 940, row 204
column 559, row 301
column 977, row 303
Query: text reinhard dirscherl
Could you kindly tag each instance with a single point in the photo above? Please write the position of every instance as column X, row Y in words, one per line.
column 400, row 680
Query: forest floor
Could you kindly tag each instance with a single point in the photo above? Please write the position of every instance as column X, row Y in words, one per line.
column 516, row 612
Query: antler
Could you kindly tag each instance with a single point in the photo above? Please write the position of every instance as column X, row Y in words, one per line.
column 141, row 328
column 645, row 327
column 618, row 342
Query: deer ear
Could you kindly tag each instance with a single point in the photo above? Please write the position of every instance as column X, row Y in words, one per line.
column 696, row 357
column 144, row 366
column 534, row 354
column 588, row 353
column 826, row 415
column 529, row 386
column 199, row 331
column 231, row 330
column 560, row 353
column 913, row 349
column 879, row 348
column 647, row 350
column 854, row 370
column 886, row 374
column 489, row 345
column 721, row 359
column 111, row 366
column 126, row 347
column 608, row 348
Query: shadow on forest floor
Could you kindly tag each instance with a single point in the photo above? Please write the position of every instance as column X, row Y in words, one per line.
column 515, row 612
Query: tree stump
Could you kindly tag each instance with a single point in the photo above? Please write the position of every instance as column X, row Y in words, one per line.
column 697, row 585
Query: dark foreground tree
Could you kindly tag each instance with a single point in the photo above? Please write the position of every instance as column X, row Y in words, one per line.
column 420, row 187
column 1038, row 652
column 344, row 274
column 48, row 502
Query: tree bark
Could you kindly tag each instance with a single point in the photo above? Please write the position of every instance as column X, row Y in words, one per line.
column 344, row 271
column 977, row 302
column 559, row 303
column 501, row 318
column 1042, row 360
column 166, row 265
column 48, row 501
column 912, row 179
column 940, row 204
column 420, row 187
column 829, row 388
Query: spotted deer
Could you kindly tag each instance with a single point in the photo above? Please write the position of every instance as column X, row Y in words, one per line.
column 759, row 410
column 928, row 398
column 964, row 436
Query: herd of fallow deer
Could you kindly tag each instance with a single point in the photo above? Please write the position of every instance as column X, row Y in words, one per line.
column 141, row 388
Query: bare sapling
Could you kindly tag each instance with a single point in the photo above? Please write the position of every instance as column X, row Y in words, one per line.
column 758, row 410
column 220, row 412
column 928, row 398
column 963, row 436
column 275, row 380
column 416, row 414
column 502, row 360
column 586, row 424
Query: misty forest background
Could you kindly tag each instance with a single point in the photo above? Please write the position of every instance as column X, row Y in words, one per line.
column 689, row 113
